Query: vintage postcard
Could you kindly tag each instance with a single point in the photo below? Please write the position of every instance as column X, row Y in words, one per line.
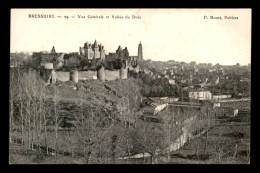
column 130, row 86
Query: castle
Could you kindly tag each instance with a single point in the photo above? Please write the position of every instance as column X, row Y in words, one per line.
column 92, row 51
column 107, row 67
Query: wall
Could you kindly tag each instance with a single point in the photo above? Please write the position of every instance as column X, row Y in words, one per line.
column 111, row 75
column 86, row 75
column 186, row 133
column 62, row 76
column 82, row 75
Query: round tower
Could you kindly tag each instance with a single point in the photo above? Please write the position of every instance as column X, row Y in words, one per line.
column 53, row 77
column 123, row 72
column 74, row 76
column 101, row 74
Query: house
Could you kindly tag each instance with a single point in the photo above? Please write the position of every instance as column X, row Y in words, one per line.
column 153, row 108
column 216, row 104
column 172, row 81
column 158, row 107
column 200, row 94
column 172, row 99
column 153, row 105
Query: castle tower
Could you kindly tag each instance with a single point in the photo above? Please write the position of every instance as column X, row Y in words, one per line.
column 119, row 49
column 101, row 74
column 140, row 51
column 101, row 52
column 74, row 76
column 86, row 50
column 53, row 50
column 53, row 77
column 95, row 50
column 123, row 72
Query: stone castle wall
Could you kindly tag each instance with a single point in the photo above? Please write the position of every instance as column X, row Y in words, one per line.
column 111, row 75
column 87, row 75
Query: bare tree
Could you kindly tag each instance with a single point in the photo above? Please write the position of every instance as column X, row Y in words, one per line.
column 12, row 94
column 149, row 138
column 56, row 117
column 28, row 116
column 83, row 130
column 46, row 119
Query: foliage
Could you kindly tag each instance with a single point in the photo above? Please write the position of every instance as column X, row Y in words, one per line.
column 158, row 87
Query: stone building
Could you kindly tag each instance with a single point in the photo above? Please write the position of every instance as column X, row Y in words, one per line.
column 92, row 51
column 119, row 54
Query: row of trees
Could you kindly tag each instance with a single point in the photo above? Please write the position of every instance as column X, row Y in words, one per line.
column 31, row 111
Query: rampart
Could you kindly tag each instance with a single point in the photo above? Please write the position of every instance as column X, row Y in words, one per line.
column 87, row 75
column 111, row 75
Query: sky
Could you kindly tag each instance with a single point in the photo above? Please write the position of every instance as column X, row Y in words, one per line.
column 166, row 34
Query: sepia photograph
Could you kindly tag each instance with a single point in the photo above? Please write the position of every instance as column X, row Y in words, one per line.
column 130, row 86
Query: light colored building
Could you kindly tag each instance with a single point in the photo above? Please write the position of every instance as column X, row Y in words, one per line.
column 171, row 81
column 216, row 104
column 220, row 97
column 200, row 95
column 158, row 107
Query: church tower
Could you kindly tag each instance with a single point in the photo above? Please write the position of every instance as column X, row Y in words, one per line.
column 140, row 51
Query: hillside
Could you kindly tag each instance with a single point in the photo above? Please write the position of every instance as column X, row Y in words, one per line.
column 109, row 96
